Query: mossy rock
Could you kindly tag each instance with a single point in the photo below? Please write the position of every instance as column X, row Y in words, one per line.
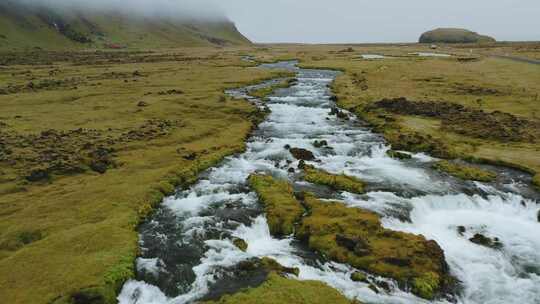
column 278, row 289
column 465, row 172
column 338, row 182
column 240, row 244
column 356, row 237
column 282, row 208
column 398, row 155
column 359, row 277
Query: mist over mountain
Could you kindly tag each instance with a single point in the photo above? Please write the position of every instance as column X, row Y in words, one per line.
column 174, row 9
column 61, row 24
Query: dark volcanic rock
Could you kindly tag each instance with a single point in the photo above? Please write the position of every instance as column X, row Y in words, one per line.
column 485, row 241
column 302, row 154
column 37, row 175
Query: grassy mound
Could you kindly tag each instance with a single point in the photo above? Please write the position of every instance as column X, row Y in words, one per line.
column 465, row 172
column 282, row 208
column 278, row 289
column 356, row 237
column 338, row 182
column 453, row 35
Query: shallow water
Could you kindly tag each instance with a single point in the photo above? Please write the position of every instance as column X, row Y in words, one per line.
column 187, row 249
column 427, row 54
column 372, row 56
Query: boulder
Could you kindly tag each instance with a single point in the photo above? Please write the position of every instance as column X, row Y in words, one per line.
column 302, row 154
column 240, row 244
column 485, row 241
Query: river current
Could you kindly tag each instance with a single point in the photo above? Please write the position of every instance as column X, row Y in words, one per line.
column 187, row 253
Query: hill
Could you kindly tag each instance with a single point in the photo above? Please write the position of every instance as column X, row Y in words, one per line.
column 24, row 27
column 453, row 35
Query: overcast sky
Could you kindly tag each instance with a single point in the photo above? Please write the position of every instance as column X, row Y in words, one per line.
column 329, row 21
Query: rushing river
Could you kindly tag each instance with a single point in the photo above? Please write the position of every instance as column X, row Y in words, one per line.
column 187, row 250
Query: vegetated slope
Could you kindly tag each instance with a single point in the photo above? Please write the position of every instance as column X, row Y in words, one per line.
column 23, row 27
column 453, row 35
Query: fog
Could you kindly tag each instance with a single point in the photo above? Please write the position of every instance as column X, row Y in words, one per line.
column 179, row 9
column 322, row 21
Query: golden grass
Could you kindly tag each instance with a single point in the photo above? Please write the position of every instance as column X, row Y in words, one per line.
column 282, row 208
column 278, row 289
column 82, row 227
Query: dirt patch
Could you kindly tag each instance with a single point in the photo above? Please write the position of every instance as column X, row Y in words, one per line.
column 467, row 89
column 42, row 85
column 466, row 121
column 38, row 157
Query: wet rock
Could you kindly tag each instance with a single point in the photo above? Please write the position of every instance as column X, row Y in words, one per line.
column 485, row 241
column 320, row 144
column 287, row 147
column 384, row 285
column 343, row 115
column 354, row 244
column 291, row 170
column 142, row 104
column 398, row 155
column 538, row 216
column 374, row 288
column 461, row 230
column 302, row 154
column 240, row 244
column 334, row 98
column 359, row 277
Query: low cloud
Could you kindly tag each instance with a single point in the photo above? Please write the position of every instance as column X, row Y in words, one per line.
column 176, row 9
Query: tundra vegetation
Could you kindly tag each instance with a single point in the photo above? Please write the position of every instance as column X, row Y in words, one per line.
column 91, row 141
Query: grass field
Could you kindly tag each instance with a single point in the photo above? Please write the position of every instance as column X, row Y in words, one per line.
column 91, row 141
column 148, row 125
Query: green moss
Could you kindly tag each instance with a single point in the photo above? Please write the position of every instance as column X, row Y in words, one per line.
column 465, row 172
column 282, row 208
column 536, row 181
column 338, row 182
column 398, row 155
column 278, row 290
column 427, row 285
column 240, row 244
column 358, row 277
column 356, row 237
column 264, row 92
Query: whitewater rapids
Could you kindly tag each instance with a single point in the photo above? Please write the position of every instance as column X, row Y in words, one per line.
column 187, row 247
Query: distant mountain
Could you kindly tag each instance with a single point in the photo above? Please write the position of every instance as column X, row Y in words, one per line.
column 23, row 27
column 453, row 35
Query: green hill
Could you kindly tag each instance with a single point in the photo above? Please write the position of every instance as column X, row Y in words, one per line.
column 25, row 27
column 453, row 35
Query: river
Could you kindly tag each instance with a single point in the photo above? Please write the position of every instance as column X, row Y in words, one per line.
column 187, row 252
